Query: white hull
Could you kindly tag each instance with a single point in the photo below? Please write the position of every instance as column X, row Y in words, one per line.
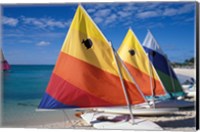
column 123, row 122
column 191, row 94
column 139, row 111
column 190, row 91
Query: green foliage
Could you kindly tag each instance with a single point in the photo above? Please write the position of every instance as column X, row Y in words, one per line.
column 186, row 63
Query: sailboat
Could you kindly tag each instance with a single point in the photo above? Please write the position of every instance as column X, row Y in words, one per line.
column 138, row 64
column 166, row 74
column 4, row 63
column 134, row 57
column 87, row 74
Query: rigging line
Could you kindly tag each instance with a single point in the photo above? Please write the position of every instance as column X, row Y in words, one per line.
column 68, row 118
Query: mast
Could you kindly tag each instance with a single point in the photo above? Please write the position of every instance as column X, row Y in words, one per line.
column 160, row 51
column 123, row 86
column 151, row 72
column 137, row 86
column 150, row 77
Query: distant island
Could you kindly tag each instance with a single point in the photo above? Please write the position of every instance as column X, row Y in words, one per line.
column 188, row 63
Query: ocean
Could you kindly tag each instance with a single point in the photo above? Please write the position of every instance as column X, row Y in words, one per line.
column 23, row 88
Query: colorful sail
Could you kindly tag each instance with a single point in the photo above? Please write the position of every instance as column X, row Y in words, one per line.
column 138, row 64
column 85, row 74
column 4, row 63
column 162, row 65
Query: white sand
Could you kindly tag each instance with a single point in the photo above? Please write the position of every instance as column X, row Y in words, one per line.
column 187, row 72
column 182, row 120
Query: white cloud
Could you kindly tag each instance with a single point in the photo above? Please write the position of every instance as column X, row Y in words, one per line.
column 147, row 14
column 10, row 21
column 189, row 19
column 53, row 23
column 111, row 19
column 102, row 13
column 170, row 12
column 98, row 19
column 186, row 8
column 91, row 10
column 152, row 6
column 43, row 43
column 124, row 13
column 33, row 21
column 99, row 6
column 45, row 22
column 154, row 10
column 130, row 7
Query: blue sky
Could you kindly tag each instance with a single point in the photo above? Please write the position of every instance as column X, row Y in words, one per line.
column 34, row 34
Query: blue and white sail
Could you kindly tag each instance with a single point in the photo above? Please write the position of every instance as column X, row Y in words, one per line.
column 162, row 65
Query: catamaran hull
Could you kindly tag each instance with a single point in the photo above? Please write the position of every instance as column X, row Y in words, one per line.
column 139, row 124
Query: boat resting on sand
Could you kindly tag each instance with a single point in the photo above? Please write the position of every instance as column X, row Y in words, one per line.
column 163, row 107
column 139, row 111
column 117, row 122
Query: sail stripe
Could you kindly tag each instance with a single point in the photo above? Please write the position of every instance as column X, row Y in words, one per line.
column 89, row 55
column 49, row 102
column 161, row 66
column 160, row 63
column 168, row 83
column 96, row 78
column 69, row 94
column 140, row 77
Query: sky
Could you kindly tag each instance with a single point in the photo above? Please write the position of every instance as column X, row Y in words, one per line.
column 34, row 34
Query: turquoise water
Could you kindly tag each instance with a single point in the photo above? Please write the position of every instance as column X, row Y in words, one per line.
column 26, row 82
column 23, row 88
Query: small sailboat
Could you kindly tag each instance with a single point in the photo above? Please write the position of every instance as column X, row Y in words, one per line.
column 4, row 63
column 166, row 74
column 88, row 74
column 139, row 66
column 137, row 62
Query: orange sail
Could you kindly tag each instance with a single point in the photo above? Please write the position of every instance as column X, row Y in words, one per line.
column 86, row 74
column 137, row 62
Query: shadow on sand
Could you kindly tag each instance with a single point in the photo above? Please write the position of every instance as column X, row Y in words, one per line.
column 190, row 122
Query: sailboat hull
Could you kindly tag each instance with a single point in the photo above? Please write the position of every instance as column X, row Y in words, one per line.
column 140, row 111
column 118, row 122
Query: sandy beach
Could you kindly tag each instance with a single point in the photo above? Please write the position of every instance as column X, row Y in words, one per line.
column 182, row 120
